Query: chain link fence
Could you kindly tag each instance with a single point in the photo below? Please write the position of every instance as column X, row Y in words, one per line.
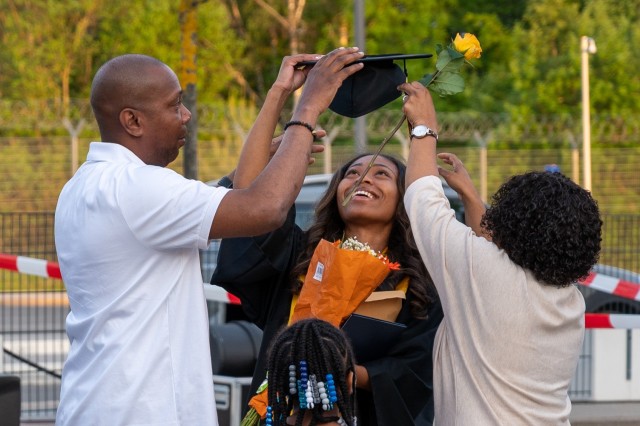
column 39, row 151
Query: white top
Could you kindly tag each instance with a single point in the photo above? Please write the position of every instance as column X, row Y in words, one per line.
column 127, row 236
column 508, row 346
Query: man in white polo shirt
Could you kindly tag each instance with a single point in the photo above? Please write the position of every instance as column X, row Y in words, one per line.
column 128, row 231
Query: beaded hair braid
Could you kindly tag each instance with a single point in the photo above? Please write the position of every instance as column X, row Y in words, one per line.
column 307, row 368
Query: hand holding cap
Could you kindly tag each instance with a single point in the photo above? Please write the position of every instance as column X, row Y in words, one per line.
column 372, row 87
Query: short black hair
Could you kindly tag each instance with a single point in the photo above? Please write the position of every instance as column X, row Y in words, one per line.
column 548, row 224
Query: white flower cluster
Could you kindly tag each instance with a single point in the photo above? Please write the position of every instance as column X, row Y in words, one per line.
column 352, row 243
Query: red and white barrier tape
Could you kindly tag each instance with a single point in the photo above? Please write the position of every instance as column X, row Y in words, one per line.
column 46, row 269
column 623, row 321
column 219, row 294
column 31, row 266
column 611, row 285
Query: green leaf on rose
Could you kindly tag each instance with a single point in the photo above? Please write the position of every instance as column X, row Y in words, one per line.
column 447, row 79
column 450, row 60
column 447, row 83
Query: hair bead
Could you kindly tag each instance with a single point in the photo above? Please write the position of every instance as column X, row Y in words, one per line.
column 302, row 400
column 269, row 418
column 293, row 386
column 309, row 395
column 324, row 397
column 333, row 396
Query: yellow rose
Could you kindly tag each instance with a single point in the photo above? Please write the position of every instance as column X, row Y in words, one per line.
column 467, row 44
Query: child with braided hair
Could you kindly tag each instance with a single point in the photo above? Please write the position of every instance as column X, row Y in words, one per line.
column 311, row 378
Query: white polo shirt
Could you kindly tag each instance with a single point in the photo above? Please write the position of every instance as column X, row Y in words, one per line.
column 127, row 236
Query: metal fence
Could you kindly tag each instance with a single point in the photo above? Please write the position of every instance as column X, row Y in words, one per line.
column 32, row 312
column 33, row 309
column 33, row 169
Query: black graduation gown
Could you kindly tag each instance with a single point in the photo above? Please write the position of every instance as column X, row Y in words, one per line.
column 257, row 270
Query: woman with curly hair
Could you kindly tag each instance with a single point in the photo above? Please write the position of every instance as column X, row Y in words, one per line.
column 267, row 273
column 316, row 358
column 512, row 333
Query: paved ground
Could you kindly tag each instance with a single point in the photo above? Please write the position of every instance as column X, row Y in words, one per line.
column 583, row 414
column 606, row 414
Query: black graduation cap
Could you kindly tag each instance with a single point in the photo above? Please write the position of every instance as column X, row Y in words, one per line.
column 374, row 86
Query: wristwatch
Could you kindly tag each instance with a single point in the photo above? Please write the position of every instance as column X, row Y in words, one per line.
column 421, row 131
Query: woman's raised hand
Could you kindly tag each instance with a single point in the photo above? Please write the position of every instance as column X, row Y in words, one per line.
column 291, row 75
column 457, row 177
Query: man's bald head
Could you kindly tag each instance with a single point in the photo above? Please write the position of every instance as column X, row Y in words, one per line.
column 122, row 82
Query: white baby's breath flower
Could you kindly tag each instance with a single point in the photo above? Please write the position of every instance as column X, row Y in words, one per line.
column 352, row 243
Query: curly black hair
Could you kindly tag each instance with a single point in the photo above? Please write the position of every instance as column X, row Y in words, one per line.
column 324, row 349
column 547, row 224
column 401, row 247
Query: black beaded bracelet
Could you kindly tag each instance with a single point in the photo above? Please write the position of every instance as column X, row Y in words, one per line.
column 299, row 123
column 225, row 182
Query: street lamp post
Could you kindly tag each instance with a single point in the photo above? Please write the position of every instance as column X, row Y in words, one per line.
column 587, row 46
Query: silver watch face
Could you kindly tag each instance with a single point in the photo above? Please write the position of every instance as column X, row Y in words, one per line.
column 420, row 131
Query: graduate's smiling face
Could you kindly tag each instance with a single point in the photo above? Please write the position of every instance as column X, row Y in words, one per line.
column 376, row 198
